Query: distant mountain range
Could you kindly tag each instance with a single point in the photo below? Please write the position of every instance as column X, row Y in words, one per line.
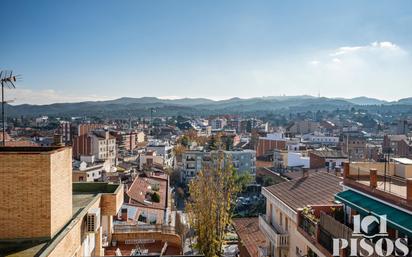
column 128, row 106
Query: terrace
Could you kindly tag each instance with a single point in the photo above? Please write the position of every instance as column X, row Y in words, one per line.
column 391, row 182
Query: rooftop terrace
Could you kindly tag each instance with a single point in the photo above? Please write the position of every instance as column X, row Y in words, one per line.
column 84, row 195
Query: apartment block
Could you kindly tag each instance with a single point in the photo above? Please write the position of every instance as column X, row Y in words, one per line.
column 81, row 141
column 273, row 141
column 244, row 161
column 103, row 145
column 369, row 189
column 284, row 203
column 44, row 214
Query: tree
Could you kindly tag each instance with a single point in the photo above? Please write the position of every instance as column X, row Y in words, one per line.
column 210, row 206
column 242, row 181
column 155, row 197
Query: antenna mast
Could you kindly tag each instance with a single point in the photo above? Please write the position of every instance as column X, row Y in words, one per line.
column 7, row 80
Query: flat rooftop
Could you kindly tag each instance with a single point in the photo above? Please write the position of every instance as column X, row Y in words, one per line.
column 84, row 193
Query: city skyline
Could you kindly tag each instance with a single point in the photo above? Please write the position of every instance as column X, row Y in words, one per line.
column 78, row 51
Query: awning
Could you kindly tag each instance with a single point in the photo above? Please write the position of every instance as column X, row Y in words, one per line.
column 396, row 218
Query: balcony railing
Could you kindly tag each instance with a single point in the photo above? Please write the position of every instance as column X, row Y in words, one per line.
column 274, row 232
column 263, row 251
column 165, row 229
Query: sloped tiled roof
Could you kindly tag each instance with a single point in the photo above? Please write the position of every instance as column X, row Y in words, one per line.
column 315, row 189
column 249, row 234
column 329, row 153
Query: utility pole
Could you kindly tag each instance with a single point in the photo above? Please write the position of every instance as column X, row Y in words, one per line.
column 6, row 80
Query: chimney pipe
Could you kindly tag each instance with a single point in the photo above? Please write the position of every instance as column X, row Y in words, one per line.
column 305, row 172
column 346, row 171
column 57, row 140
column 373, row 178
column 409, row 189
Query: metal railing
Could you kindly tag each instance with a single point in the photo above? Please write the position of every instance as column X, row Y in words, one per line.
column 165, row 229
column 386, row 182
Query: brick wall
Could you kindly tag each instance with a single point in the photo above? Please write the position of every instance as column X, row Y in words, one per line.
column 61, row 189
column 25, row 193
column 265, row 145
column 316, row 162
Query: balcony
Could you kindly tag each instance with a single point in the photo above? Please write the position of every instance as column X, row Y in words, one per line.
column 263, row 251
column 164, row 233
column 274, row 232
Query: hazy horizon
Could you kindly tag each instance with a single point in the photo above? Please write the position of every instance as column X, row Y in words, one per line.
column 71, row 51
column 212, row 99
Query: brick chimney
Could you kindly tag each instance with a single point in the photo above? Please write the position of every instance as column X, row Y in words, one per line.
column 305, row 172
column 346, row 171
column 373, row 178
column 409, row 189
column 58, row 140
column 124, row 214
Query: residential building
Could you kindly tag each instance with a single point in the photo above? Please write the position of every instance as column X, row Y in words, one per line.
column 128, row 140
column 218, row 123
column 327, row 158
column 320, row 139
column 45, row 213
column 283, row 159
column 150, row 196
column 398, row 145
column 146, row 224
column 90, row 170
column 41, row 121
column 354, row 147
column 244, row 161
column 65, row 131
column 150, row 159
column 269, row 143
column 81, row 140
column 284, row 202
column 302, row 127
column 103, row 145
column 163, row 149
column 369, row 189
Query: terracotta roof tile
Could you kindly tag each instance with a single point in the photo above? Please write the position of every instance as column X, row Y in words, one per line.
column 315, row 189
column 249, row 234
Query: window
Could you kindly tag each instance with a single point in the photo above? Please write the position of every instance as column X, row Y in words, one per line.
column 281, row 219
column 286, row 224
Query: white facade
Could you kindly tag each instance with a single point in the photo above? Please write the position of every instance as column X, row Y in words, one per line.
column 151, row 159
column 218, row 123
column 103, row 146
column 243, row 161
column 162, row 149
column 320, row 139
column 296, row 159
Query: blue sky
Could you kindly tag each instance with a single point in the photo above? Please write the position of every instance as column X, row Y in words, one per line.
column 103, row 49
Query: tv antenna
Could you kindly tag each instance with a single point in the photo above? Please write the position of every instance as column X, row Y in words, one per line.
column 7, row 80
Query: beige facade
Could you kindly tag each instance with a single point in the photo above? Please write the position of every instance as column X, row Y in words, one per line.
column 283, row 223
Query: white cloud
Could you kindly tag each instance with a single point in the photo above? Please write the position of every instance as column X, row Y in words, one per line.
column 314, row 62
column 384, row 45
column 379, row 69
column 336, row 60
column 47, row 96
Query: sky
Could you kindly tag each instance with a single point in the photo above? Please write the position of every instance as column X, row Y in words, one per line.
column 69, row 51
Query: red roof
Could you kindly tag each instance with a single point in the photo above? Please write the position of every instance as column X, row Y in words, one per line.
column 250, row 234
